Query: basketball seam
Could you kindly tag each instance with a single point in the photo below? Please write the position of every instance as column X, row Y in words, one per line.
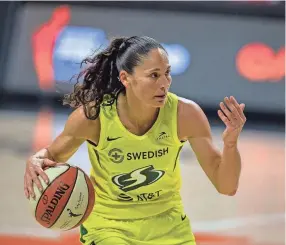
column 88, row 200
column 47, row 189
column 66, row 201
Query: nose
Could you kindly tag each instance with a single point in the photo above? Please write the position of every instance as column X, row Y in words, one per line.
column 165, row 82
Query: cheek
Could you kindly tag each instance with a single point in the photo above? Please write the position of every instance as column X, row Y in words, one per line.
column 144, row 85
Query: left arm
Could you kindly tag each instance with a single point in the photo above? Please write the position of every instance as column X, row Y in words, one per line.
column 223, row 169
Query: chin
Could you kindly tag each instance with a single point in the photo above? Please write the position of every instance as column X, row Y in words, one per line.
column 156, row 102
column 160, row 103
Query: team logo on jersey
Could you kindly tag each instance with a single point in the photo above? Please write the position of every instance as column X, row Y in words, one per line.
column 116, row 155
column 137, row 178
column 162, row 135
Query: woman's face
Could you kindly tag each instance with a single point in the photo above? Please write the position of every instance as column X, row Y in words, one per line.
column 151, row 79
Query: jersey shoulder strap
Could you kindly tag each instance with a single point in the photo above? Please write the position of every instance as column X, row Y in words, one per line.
column 106, row 117
column 170, row 116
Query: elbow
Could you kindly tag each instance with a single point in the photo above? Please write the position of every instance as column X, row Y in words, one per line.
column 226, row 186
column 228, row 193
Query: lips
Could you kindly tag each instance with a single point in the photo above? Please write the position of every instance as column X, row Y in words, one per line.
column 161, row 96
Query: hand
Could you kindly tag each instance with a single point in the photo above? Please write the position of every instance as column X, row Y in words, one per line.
column 232, row 115
column 35, row 167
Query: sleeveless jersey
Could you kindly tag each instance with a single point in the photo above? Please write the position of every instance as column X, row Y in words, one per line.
column 136, row 176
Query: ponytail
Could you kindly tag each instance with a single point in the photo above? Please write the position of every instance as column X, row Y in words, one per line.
column 101, row 78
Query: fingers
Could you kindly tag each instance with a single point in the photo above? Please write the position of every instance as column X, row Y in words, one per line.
column 44, row 176
column 31, row 178
column 48, row 163
column 230, row 112
column 29, row 184
column 34, row 171
column 242, row 106
column 239, row 108
column 233, row 113
column 224, row 118
column 26, row 189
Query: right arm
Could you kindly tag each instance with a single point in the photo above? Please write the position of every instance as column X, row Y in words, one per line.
column 77, row 130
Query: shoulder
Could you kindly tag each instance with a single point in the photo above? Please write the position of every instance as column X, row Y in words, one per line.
column 78, row 125
column 192, row 120
column 187, row 107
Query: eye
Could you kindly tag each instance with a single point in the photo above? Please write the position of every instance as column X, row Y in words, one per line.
column 155, row 75
column 168, row 73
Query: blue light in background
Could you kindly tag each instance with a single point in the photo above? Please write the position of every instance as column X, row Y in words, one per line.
column 76, row 43
column 179, row 58
column 72, row 46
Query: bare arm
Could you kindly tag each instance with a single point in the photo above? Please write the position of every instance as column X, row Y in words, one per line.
column 77, row 129
column 223, row 169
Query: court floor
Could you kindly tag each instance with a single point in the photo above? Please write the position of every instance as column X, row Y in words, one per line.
column 254, row 216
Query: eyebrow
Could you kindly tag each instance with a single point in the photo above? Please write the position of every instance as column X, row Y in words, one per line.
column 157, row 69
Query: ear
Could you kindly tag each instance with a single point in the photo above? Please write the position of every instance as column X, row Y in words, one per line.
column 123, row 76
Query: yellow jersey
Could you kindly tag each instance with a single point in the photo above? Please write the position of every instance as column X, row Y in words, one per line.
column 136, row 176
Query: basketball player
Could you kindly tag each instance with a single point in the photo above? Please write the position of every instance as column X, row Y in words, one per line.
column 135, row 129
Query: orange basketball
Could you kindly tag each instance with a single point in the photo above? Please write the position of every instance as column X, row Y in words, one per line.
column 66, row 201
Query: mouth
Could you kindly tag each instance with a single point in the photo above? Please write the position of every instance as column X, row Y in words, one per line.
column 161, row 96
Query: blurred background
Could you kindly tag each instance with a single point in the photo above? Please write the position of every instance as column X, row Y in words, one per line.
column 216, row 49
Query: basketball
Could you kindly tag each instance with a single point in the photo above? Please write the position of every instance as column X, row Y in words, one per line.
column 66, row 201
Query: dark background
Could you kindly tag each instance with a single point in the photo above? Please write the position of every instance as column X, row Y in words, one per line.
column 211, row 32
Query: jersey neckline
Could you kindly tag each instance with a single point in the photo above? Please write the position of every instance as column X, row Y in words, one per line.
column 153, row 127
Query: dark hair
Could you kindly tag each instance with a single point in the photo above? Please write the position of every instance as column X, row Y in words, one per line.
column 101, row 78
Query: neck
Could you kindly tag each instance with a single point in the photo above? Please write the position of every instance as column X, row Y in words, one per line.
column 139, row 114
